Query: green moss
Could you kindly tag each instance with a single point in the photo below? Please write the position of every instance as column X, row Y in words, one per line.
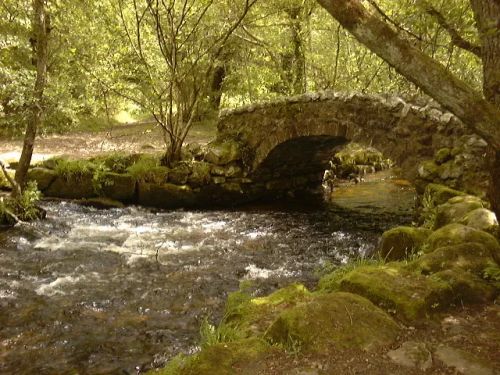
column 401, row 242
column 409, row 295
column 223, row 152
column 455, row 209
column 253, row 316
column 466, row 287
column 245, row 357
column 454, row 234
column 43, row 177
column 148, row 168
column 333, row 321
column 482, row 219
column 117, row 162
column 470, row 256
column 331, row 281
column 440, row 194
column 443, row 155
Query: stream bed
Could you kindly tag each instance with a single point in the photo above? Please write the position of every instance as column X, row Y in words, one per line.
column 121, row 291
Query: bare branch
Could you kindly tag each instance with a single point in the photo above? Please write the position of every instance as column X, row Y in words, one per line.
column 455, row 36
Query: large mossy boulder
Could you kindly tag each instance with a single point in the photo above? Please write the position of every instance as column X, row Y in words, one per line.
column 440, row 194
column 466, row 287
column 333, row 321
column 245, row 357
column 72, row 187
column 165, row 195
column 469, row 256
column 253, row 316
column 120, row 187
column 42, row 176
column 223, row 152
column 179, row 174
column 200, row 174
column 455, row 209
column 455, row 234
column 399, row 243
column 482, row 219
column 409, row 295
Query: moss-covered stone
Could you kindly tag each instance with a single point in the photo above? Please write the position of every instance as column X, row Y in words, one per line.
column 72, row 187
column 179, row 174
column 43, row 177
column 440, row 194
column 455, row 234
column 443, row 155
column 245, row 357
column 253, row 316
column 165, row 195
column 466, row 287
column 120, row 187
column 335, row 320
column 469, row 256
column 482, row 219
column 409, row 295
column 428, row 170
column 455, row 209
column 398, row 243
column 223, row 152
column 200, row 174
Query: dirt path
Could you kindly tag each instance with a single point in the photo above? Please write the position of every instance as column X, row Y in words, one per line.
column 126, row 138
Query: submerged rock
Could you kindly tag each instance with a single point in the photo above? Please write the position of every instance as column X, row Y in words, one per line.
column 335, row 320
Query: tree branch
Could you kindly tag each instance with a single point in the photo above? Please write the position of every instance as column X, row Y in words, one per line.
column 456, row 38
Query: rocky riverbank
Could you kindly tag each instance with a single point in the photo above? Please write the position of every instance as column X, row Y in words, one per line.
column 403, row 312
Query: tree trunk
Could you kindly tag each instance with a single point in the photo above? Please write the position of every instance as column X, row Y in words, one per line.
column 487, row 16
column 41, row 29
column 455, row 95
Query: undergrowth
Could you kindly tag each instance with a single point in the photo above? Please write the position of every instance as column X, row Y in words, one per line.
column 148, row 168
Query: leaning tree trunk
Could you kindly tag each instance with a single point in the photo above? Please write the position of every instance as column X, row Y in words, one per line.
column 480, row 115
column 41, row 29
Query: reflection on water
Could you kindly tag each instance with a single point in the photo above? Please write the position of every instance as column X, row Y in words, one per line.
column 122, row 290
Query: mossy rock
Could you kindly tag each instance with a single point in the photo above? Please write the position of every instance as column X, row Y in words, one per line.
column 179, row 174
column 165, row 195
column 469, row 256
column 428, row 170
column 482, row 219
column 409, row 295
column 455, row 234
column 200, row 174
column 333, row 321
column 223, row 152
column 245, row 357
column 399, row 243
column 443, row 155
column 44, row 177
column 440, row 194
column 253, row 316
column 120, row 187
column 466, row 287
column 455, row 209
column 72, row 187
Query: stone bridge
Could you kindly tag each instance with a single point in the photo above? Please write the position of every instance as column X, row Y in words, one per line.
column 289, row 142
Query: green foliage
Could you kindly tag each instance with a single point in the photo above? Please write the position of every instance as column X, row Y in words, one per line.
column 492, row 273
column 334, row 274
column 28, row 202
column 73, row 169
column 214, row 334
column 148, row 168
column 428, row 211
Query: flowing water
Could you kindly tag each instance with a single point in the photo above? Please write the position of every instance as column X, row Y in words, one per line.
column 123, row 290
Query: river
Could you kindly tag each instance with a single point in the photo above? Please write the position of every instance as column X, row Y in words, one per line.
column 121, row 291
